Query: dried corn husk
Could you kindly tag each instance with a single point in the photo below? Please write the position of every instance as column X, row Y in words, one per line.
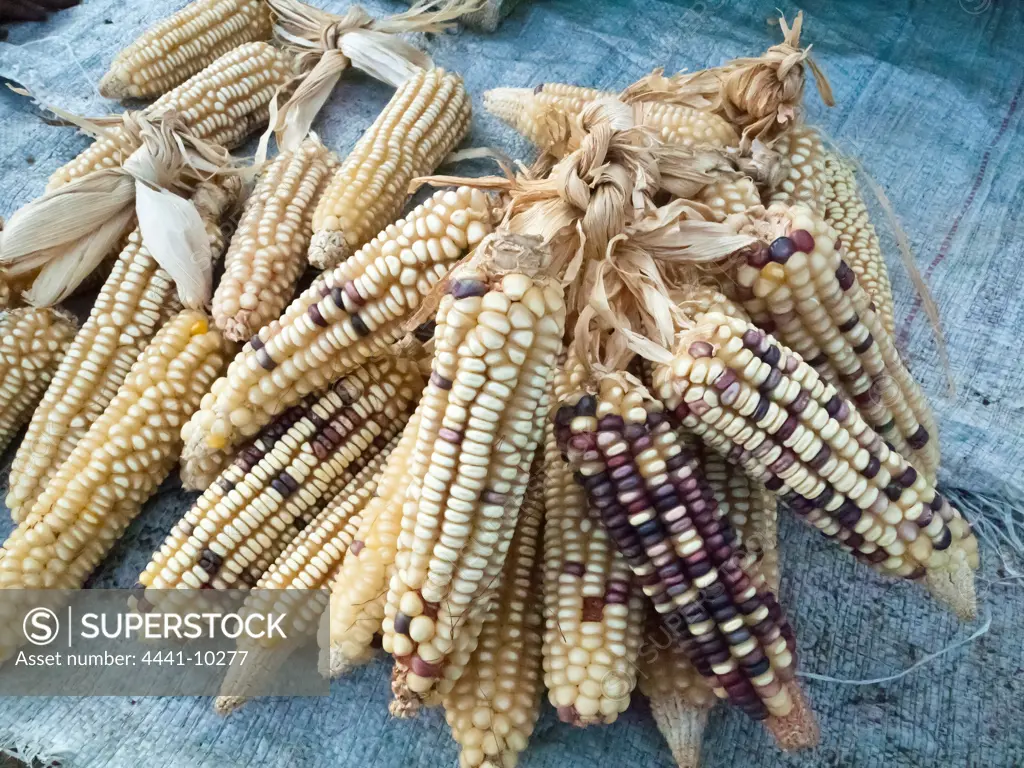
column 66, row 233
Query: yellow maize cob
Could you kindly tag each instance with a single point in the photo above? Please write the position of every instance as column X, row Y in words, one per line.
column 425, row 119
column 222, row 104
column 294, row 586
column 136, row 300
column 32, row 343
column 172, row 50
column 593, row 607
column 646, row 482
column 347, row 316
column 542, row 114
column 268, row 250
column 499, row 329
column 494, row 706
column 846, row 213
column 802, row 290
column 761, row 406
column 246, row 518
column 115, row 467
column 803, row 155
column 359, row 591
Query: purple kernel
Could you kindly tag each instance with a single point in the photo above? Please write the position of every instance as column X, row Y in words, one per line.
column 845, row 276
column 758, row 256
column 701, row 349
column 802, row 240
column 464, row 289
column 781, row 249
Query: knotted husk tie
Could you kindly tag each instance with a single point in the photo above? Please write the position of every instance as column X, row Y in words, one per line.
column 67, row 232
column 761, row 96
column 327, row 44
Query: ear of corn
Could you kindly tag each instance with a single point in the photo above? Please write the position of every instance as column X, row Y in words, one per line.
column 136, row 300
column 493, row 707
column 593, row 607
column 425, row 119
column 294, row 586
column 761, row 406
column 32, row 343
column 499, row 329
column 222, row 104
column 541, row 115
column 174, row 49
column 803, row 154
column 115, row 467
column 652, row 497
column 268, row 250
column 359, row 591
column 276, row 486
column 800, row 289
column 846, row 213
column 347, row 316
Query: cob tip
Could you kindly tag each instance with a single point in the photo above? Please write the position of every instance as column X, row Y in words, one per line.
column 226, row 705
column 113, row 86
column 798, row 729
column 406, row 704
column 953, row 587
column 682, row 725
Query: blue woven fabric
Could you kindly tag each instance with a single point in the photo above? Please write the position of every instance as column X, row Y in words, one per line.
column 928, row 99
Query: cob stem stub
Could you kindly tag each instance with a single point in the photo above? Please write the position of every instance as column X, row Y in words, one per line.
column 682, row 725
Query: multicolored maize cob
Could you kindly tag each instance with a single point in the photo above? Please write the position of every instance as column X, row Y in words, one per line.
column 593, row 607
column 115, row 467
column 803, row 155
column 647, row 485
column 425, row 119
column 136, row 300
column 757, row 403
column 359, row 591
column 493, row 707
column 346, row 317
column 268, row 250
column 801, row 290
column 275, row 487
column 295, row 585
column 174, row 49
column 499, row 330
column 542, row 115
column 32, row 344
column 222, row 104
column 680, row 698
column 846, row 213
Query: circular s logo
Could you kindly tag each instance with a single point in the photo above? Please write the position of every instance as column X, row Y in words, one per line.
column 40, row 626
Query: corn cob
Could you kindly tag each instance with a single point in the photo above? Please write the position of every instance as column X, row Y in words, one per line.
column 244, row 520
column 846, row 213
column 346, row 317
column 359, row 591
column 661, row 512
column 499, row 328
column 294, row 586
column 32, row 343
column 115, row 467
column 680, row 697
column 494, row 706
column 174, row 49
column 729, row 196
column 801, row 290
column 136, row 300
column 593, row 607
column 425, row 119
column 268, row 250
column 222, row 104
column 542, row 114
column 803, row 153
column 761, row 406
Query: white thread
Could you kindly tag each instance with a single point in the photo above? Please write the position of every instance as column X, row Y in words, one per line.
column 930, row 657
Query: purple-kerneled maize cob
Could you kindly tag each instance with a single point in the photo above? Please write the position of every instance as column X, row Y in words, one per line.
column 800, row 289
column 761, row 406
column 648, row 488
